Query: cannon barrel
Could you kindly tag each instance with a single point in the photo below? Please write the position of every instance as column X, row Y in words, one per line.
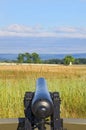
column 42, row 104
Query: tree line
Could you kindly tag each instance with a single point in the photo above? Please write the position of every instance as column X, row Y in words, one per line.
column 35, row 58
column 67, row 60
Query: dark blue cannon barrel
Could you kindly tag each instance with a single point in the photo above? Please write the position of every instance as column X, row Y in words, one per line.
column 42, row 104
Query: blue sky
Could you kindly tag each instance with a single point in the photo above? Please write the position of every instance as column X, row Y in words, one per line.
column 63, row 21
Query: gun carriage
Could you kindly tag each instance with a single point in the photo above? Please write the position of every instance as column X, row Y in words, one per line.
column 42, row 108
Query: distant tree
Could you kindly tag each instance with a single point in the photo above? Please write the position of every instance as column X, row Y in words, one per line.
column 82, row 60
column 53, row 61
column 27, row 57
column 35, row 58
column 76, row 61
column 69, row 60
column 20, row 58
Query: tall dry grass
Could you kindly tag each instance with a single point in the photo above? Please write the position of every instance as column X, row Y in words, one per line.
column 69, row 81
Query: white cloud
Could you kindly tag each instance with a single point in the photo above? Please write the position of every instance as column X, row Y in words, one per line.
column 65, row 29
column 19, row 28
column 39, row 31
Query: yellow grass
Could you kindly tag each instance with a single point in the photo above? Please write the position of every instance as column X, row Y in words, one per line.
column 69, row 81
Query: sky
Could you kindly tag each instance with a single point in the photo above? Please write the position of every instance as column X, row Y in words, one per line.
column 43, row 26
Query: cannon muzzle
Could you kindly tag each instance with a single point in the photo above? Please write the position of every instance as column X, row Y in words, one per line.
column 42, row 104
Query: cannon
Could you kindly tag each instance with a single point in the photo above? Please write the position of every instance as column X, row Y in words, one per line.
column 42, row 104
column 42, row 108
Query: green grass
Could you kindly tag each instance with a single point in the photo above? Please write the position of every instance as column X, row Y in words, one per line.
column 72, row 89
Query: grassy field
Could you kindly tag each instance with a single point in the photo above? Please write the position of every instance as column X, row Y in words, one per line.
column 69, row 81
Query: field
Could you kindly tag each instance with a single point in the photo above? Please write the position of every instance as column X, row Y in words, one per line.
column 69, row 81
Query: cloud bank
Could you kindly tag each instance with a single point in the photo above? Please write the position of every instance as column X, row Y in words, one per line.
column 39, row 31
